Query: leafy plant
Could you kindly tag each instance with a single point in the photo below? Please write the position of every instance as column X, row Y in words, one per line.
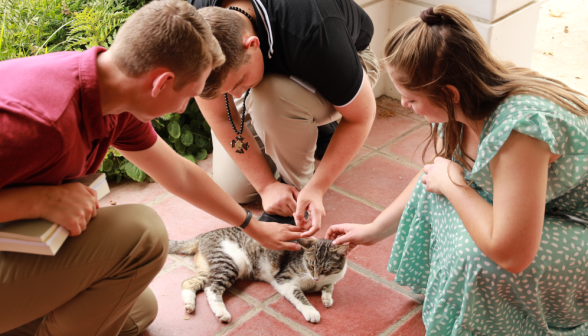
column 187, row 133
column 96, row 25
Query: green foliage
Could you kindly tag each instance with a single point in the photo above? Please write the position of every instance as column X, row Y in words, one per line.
column 33, row 27
column 187, row 133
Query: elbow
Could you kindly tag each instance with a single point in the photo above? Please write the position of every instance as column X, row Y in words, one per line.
column 515, row 267
column 515, row 263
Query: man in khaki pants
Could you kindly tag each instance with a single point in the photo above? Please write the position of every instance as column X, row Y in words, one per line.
column 59, row 113
column 298, row 65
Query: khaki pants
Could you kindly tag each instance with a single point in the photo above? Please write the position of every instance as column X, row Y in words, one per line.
column 95, row 285
column 283, row 116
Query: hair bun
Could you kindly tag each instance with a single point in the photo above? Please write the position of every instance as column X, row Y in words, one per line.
column 429, row 17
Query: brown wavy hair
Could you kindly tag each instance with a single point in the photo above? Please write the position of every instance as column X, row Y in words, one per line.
column 448, row 50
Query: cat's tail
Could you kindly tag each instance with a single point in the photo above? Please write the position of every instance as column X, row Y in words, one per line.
column 184, row 246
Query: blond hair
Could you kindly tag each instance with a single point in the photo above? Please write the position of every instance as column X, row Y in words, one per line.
column 169, row 34
column 442, row 48
column 228, row 27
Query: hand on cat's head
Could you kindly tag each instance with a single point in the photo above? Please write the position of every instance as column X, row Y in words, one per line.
column 352, row 234
column 309, row 243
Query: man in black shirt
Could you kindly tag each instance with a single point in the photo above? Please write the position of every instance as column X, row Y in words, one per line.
column 307, row 63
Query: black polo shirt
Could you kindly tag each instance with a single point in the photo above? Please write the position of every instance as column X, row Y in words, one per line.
column 314, row 42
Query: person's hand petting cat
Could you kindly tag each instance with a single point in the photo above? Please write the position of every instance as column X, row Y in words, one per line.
column 311, row 200
column 274, row 236
column 354, row 234
column 441, row 174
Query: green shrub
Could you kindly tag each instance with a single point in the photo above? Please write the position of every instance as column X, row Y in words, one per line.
column 187, row 133
column 33, row 27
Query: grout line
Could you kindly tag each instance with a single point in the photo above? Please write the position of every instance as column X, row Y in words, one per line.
column 391, row 141
column 294, row 325
column 357, row 198
column 235, row 323
column 403, row 320
column 400, row 160
column 418, row 298
column 257, row 307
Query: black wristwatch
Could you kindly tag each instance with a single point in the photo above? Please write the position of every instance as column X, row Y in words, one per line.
column 247, row 220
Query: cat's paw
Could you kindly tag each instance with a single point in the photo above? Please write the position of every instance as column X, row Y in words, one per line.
column 311, row 314
column 327, row 301
column 224, row 316
column 190, row 308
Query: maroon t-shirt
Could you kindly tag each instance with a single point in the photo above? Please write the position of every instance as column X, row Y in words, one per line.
column 51, row 123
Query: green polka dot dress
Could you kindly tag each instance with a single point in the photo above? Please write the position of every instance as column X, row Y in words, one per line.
column 466, row 293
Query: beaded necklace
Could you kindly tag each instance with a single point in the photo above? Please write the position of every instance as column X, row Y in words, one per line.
column 238, row 142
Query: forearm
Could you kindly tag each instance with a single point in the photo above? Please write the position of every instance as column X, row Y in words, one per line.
column 386, row 224
column 21, row 203
column 197, row 188
column 345, row 143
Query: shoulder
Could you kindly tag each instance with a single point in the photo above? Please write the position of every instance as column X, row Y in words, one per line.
column 46, row 85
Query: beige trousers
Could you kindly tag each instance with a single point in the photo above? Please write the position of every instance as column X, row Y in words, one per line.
column 283, row 116
column 95, row 285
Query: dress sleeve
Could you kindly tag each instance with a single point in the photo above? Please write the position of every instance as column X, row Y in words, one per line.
column 565, row 132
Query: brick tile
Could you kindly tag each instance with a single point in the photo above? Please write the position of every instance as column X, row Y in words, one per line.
column 377, row 179
column 411, row 146
column 258, row 290
column 131, row 192
column 171, row 315
column 185, row 221
column 342, row 209
column 263, row 324
column 361, row 306
column 374, row 258
column 363, row 151
column 413, row 327
column 385, row 129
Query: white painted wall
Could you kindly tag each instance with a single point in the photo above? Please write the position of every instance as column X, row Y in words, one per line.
column 508, row 26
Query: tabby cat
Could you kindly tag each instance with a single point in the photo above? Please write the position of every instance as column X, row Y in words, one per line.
column 225, row 255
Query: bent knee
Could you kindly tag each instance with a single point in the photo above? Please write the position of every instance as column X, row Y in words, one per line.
column 136, row 226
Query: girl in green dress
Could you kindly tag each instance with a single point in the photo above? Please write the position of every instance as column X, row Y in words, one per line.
column 492, row 232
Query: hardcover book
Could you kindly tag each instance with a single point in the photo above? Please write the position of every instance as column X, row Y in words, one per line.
column 39, row 236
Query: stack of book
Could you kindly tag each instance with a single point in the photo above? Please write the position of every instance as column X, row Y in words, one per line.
column 39, row 236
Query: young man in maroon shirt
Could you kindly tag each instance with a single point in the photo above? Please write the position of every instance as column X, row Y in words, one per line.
column 59, row 113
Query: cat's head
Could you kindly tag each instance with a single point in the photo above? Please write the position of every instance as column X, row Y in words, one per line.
column 322, row 257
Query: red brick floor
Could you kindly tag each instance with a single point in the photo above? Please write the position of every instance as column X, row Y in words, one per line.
column 366, row 301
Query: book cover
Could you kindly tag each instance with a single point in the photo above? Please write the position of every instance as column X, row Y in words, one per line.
column 40, row 236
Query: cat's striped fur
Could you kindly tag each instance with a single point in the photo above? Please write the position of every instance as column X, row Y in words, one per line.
column 225, row 255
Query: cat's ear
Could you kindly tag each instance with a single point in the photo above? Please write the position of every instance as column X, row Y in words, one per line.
column 342, row 250
column 306, row 243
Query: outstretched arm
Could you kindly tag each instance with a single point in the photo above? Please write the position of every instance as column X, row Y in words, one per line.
column 382, row 227
column 188, row 181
